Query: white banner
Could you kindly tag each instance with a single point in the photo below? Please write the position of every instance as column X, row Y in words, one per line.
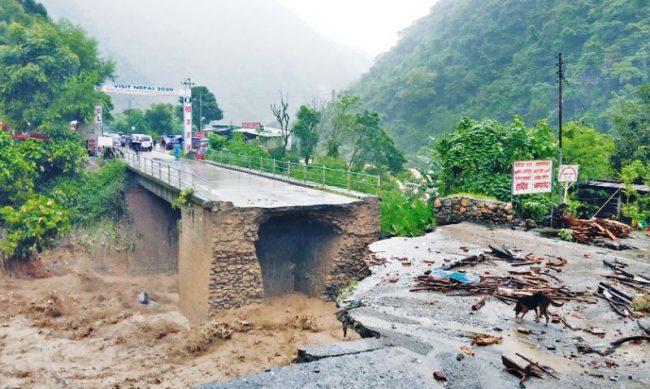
column 568, row 173
column 143, row 90
column 530, row 177
column 187, row 123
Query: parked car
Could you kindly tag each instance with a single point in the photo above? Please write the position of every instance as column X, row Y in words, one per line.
column 142, row 142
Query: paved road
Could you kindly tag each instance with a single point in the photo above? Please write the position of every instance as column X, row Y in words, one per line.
column 250, row 191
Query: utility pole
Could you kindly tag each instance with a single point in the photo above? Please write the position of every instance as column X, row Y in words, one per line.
column 560, row 77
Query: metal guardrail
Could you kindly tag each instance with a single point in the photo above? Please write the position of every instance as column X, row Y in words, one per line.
column 319, row 176
column 170, row 175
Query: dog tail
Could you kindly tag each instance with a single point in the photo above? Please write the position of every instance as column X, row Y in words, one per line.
column 553, row 303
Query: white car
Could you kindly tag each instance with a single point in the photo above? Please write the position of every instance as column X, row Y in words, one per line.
column 146, row 143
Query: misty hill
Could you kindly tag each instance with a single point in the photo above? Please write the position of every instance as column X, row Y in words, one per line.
column 496, row 58
column 245, row 51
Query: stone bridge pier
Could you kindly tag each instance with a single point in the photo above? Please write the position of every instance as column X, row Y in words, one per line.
column 232, row 256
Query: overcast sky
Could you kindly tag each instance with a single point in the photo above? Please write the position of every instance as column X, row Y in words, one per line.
column 371, row 25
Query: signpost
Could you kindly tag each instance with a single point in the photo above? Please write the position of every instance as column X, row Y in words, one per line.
column 187, row 123
column 529, row 177
column 154, row 90
column 567, row 175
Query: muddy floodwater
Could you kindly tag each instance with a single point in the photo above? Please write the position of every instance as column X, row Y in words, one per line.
column 67, row 321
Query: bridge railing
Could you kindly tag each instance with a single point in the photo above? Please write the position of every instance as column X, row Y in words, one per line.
column 317, row 175
column 168, row 174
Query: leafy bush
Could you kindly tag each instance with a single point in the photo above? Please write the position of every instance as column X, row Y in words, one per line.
column 404, row 214
column 33, row 227
column 534, row 207
column 565, row 234
column 184, row 199
column 638, row 205
column 95, row 196
column 477, row 155
column 217, row 142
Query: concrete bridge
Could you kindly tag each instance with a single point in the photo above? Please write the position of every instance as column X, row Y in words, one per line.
column 244, row 236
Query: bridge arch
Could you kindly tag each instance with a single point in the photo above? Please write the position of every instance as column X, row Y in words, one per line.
column 295, row 252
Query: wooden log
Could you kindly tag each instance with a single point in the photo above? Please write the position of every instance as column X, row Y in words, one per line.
column 479, row 304
column 538, row 365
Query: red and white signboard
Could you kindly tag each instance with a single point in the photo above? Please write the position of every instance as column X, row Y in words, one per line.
column 568, row 173
column 530, row 177
column 187, row 123
column 250, row 125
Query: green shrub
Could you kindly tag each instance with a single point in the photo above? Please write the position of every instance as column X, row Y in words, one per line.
column 534, row 207
column 565, row 234
column 404, row 214
column 33, row 227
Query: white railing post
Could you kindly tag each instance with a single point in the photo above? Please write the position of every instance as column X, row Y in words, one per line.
column 304, row 174
column 349, row 178
column 169, row 176
column 289, row 168
column 323, row 175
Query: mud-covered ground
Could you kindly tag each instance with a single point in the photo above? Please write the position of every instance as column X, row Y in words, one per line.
column 69, row 321
column 436, row 325
column 425, row 332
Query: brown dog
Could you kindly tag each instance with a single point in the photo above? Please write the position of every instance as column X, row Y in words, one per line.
column 539, row 302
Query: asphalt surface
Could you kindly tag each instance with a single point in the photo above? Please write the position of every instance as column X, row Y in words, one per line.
column 248, row 190
column 422, row 332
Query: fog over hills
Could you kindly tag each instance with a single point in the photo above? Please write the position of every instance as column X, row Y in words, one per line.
column 245, row 51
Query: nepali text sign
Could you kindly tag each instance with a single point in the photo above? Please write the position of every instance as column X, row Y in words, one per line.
column 146, row 90
column 187, row 123
column 568, row 173
column 531, row 177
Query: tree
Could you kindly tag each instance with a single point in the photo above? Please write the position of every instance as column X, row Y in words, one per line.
column 305, row 130
column 371, row 144
column 159, row 119
column 204, row 107
column 49, row 74
column 343, row 122
column 282, row 116
column 590, row 149
column 632, row 124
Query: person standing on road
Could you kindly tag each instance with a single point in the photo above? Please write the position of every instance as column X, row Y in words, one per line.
column 177, row 150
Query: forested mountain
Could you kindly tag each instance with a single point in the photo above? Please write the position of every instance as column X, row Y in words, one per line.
column 245, row 51
column 497, row 58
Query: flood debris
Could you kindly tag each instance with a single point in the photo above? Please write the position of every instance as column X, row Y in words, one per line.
column 472, row 260
column 485, row 340
column 478, row 304
column 508, row 288
column 524, row 371
column 467, row 350
column 586, row 231
column 585, row 348
column 440, row 377
column 143, row 298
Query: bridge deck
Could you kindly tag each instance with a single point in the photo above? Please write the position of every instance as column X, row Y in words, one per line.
column 244, row 190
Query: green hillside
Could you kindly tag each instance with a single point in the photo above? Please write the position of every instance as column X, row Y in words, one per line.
column 497, row 58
